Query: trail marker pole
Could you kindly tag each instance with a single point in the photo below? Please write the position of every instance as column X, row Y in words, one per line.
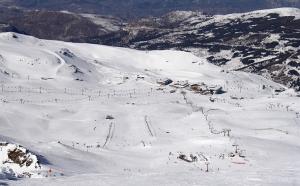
column 236, row 147
column 206, row 163
column 228, row 132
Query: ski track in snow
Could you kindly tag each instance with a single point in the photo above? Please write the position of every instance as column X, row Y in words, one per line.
column 110, row 134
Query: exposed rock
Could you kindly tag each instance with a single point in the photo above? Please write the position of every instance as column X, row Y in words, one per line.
column 17, row 162
column 63, row 26
column 165, row 82
column 206, row 90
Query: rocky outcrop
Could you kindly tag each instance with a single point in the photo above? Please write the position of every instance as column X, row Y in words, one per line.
column 17, row 162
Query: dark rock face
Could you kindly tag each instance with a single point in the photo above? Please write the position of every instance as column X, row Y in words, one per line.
column 19, row 157
column 53, row 25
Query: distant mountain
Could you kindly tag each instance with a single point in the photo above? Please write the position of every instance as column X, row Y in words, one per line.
column 141, row 8
column 264, row 42
column 56, row 25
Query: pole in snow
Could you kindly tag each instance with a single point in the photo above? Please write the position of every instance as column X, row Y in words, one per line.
column 236, row 147
column 206, row 163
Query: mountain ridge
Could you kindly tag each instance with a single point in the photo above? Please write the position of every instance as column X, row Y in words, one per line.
column 265, row 42
column 144, row 8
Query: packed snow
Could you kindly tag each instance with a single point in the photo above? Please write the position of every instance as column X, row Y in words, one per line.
column 99, row 115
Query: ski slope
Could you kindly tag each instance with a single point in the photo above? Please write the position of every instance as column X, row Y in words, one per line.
column 96, row 115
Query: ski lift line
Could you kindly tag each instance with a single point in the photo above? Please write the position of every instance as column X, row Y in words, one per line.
column 72, row 91
column 85, row 98
column 89, row 94
column 113, row 94
column 44, row 101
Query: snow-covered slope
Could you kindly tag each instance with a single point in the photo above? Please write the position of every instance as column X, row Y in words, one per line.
column 98, row 115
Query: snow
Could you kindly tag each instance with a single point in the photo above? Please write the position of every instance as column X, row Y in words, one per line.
column 259, row 13
column 57, row 96
column 176, row 16
column 225, row 19
column 109, row 23
column 288, row 11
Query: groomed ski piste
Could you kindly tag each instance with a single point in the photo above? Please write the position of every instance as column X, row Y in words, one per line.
column 83, row 114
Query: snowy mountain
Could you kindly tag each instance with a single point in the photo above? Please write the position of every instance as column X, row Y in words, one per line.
column 96, row 115
column 265, row 42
